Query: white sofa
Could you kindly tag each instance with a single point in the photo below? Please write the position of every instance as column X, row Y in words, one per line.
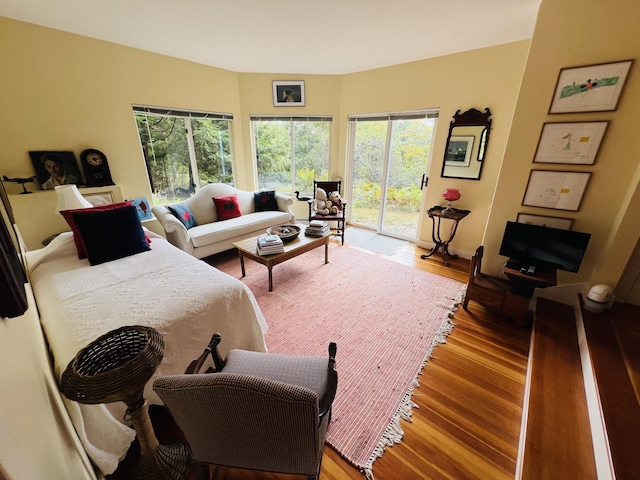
column 212, row 236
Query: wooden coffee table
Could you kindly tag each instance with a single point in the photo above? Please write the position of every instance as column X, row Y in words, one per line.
column 248, row 248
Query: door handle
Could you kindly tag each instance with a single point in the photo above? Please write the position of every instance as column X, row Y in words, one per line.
column 424, row 182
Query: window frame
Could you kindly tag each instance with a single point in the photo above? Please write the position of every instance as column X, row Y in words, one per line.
column 187, row 116
column 291, row 119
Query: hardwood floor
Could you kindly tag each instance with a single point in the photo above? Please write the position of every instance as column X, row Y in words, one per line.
column 467, row 423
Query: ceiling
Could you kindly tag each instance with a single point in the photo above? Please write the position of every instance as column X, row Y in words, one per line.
column 289, row 36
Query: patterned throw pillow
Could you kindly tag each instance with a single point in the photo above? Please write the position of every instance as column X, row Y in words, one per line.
column 265, row 201
column 227, row 207
column 184, row 214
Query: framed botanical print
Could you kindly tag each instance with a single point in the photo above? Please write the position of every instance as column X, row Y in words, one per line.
column 592, row 88
column 555, row 189
column 574, row 143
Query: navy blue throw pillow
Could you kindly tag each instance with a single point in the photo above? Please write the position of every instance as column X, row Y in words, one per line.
column 265, row 201
column 183, row 213
column 111, row 234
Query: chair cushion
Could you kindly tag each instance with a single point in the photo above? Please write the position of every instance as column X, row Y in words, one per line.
column 309, row 372
column 227, row 207
column 317, row 216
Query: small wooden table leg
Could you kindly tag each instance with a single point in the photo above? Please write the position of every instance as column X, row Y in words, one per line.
column 242, row 263
column 270, row 279
column 326, row 252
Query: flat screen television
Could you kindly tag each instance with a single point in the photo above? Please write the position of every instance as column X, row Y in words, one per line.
column 545, row 248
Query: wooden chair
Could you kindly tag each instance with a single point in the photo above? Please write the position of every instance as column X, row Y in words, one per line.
column 256, row 411
column 485, row 289
column 339, row 218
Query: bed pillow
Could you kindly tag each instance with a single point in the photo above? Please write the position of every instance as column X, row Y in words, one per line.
column 265, row 201
column 184, row 214
column 77, row 238
column 111, row 234
column 227, row 207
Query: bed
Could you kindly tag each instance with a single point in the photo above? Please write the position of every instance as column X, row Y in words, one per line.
column 185, row 299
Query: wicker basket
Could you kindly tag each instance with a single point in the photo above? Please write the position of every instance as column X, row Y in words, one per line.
column 114, row 367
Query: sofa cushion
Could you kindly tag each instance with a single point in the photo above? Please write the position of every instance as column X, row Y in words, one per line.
column 184, row 214
column 209, row 233
column 265, row 201
column 227, row 207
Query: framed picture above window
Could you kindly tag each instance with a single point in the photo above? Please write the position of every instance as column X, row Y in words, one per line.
column 592, row 88
column 557, row 190
column 288, row 93
column 570, row 143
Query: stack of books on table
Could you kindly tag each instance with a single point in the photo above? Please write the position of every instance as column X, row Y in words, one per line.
column 317, row 228
column 270, row 244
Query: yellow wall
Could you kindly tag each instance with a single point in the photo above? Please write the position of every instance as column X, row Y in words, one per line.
column 256, row 98
column 488, row 77
column 568, row 34
column 68, row 92
column 63, row 91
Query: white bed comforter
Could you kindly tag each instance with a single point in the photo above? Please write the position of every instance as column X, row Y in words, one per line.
column 182, row 297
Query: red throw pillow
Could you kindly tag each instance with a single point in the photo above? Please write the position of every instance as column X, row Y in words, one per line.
column 227, row 207
column 77, row 237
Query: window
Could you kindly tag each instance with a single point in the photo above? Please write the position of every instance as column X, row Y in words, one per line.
column 390, row 155
column 184, row 150
column 291, row 152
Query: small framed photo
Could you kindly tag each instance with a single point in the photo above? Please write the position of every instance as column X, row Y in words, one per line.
column 288, row 93
column 544, row 221
column 592, row 88
column 557, row 190
column 55, row 168
column 459, row 150
column 570, row 143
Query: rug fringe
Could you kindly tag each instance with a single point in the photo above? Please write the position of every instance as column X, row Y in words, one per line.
column 394, row 433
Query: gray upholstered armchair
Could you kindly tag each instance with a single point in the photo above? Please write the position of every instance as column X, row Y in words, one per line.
column 258, row 411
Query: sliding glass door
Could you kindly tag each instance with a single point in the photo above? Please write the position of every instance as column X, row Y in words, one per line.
column 390, row 157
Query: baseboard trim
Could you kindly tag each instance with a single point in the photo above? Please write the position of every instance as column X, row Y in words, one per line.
column 600, row 440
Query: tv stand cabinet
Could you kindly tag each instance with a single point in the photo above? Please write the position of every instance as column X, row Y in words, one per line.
column 516, row 305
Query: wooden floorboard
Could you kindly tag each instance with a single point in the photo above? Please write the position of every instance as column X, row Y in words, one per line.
column 558, row 434
column 614, row 345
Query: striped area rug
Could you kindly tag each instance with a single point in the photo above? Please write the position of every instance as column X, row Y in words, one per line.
column 386, row 319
